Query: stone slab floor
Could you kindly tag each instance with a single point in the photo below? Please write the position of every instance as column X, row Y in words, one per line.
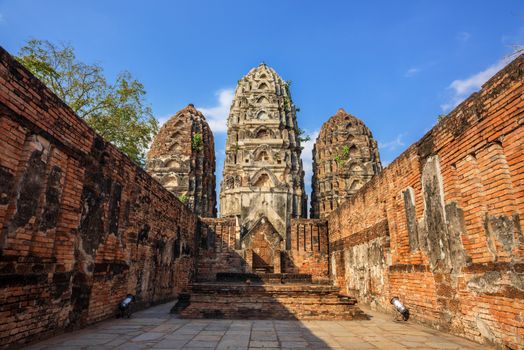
column 155, row 328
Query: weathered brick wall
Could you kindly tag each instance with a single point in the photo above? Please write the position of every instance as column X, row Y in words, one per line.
column 216, row 248
column 220, row 250
column 309, row 248
column 441, row 226
column 80, row 225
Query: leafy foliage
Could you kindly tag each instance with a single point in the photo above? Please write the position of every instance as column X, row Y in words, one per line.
column 440, row 117
column 343, row 156
column 345, row 151
column 287, row 103
column 118, row 111
column 196, row 142
column 302, row 137
column 183, row 198
column 287, row 100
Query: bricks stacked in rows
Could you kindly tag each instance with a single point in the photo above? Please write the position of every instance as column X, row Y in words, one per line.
column 81, row 225
column 269, row 301
column 456, row 259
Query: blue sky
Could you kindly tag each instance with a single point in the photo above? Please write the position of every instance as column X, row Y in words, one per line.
column 396, row 65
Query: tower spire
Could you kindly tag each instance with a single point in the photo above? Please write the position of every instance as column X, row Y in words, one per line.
column 262, row 168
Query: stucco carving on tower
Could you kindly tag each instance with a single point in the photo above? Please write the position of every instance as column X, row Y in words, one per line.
column 345, row 157
column 263, row 175
column 182, row 159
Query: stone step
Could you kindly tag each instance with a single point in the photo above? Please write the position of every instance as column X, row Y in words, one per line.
column 269, row 301
column 271, row 297
column 275, row 311
column 264, row 277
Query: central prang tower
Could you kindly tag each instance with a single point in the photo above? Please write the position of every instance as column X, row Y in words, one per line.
column 263, row 180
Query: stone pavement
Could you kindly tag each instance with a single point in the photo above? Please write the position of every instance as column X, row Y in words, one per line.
column 155, row 328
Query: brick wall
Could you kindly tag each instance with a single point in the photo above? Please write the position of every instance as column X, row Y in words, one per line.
column 216, row 253
column 309, row 248
column 220, row 249
column 80, row 225
column 442, row 226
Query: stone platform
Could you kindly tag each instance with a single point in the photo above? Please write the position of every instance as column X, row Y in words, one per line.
column 256, row 300
column 155, row 328
column 271, row 278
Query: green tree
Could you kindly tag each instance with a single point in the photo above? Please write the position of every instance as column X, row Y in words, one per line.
column 302, row 137
column 118, row 111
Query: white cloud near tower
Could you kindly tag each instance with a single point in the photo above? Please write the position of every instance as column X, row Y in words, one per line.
column 216, row 116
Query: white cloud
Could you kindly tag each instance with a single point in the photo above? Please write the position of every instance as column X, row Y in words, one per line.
column 392, row 145
column 463, row 36
column 462, row 88
column 514, row 39
column 474, row 82
column 163, row 119
column 307, row 156
column 415, row 70
column 448, row 106
column 217, row 116
column 412, row 72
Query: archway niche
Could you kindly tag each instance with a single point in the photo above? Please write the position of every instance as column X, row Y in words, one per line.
column 262, row 115
column 263, row 134
column 263, row 156
column 262, row 100
column 263, row 181
column 353, row 151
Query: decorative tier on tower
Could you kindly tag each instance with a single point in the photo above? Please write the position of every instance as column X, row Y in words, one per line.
column 182, row 159
column 345, row 157
column 263, row 176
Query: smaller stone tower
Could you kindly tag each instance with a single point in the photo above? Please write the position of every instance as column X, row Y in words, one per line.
column 345, row 157
column 182, row 159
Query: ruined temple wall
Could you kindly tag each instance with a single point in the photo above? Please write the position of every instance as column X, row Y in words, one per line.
column 80, row 224
column 442, row 226
column 309, row 248
column 217, row 248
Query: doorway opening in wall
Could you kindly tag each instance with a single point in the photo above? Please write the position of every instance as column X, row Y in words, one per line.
column 262, row 260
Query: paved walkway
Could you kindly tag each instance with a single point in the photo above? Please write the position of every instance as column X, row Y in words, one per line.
column 154, row 328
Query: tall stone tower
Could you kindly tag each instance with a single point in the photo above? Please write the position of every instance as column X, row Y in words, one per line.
column 182, row 158
column 263, row 180
column 345, row 157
